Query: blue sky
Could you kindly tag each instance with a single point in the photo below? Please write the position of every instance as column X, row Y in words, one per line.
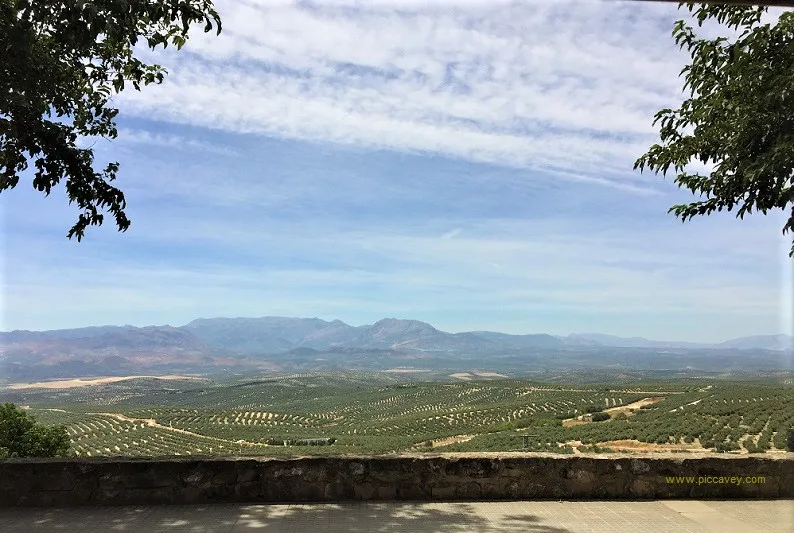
column 467, row 164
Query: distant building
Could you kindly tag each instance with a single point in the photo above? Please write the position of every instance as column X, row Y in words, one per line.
column 320, row 441
column 317, row 441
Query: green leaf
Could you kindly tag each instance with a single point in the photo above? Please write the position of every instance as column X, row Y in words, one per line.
column 67, row 68
column 739, row 115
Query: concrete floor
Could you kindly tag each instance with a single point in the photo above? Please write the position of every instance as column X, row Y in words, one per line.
column 480, row 517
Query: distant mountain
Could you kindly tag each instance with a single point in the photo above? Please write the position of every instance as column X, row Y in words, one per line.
column 273, row 335
column 334, row 333
column 630, row 342
column 413, row 334
column 60, row 334
column 269, row 335
column 540, row 340
column 763, row 342
column 105, row 339
column 756, row 342
column 101, row 351
column 263, row 335
column 150, row 338
column 305, row 343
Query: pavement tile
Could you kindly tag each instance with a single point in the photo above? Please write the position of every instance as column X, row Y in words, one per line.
column 770, row 516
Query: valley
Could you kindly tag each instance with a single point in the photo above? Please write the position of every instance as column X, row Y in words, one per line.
column 395, row 413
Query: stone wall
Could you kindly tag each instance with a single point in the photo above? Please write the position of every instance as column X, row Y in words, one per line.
column 116, row 481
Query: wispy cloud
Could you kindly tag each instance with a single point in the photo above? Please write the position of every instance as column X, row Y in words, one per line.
column 452, row 233
column 465, row 163
column 170, row 141
column 539, row 86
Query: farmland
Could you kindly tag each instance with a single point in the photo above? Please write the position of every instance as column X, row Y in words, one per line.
column 381, row 413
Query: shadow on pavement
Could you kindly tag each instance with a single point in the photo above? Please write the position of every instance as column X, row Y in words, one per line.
column 400, row 517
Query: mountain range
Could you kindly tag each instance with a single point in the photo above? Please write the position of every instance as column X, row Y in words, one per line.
column 273, row 335
column 283, row 342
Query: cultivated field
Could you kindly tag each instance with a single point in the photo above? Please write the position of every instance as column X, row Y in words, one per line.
column 84, row 382
column 387, row 413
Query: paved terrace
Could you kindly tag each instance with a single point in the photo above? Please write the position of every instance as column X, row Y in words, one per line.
column 673, row 516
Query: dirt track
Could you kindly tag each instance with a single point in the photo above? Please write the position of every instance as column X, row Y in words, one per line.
column 625, row 409
column 153, row 423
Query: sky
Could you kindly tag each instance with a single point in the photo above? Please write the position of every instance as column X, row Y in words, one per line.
column 468, row 164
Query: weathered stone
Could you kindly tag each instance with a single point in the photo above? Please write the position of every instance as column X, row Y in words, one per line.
column 443, row 492
column 288, row 472
column 641, row 488
column 248, row 475
column 198, row 477
column 315, row 473
column 98, row 481
column 159, row 495
column 225, row 477
column 338, row 490
column 472, row 467
column 143, row 480
column 411, row 490
column 276, row 492
column 308, row 492
column 470, row 490
column 357, row 469
column 639, row 467
column 65, row 480
column 247, row 491
column 387, row 493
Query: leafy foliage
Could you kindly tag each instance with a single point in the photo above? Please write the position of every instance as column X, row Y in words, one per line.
column 22, row 436
column 739, row 116
column 67, row 59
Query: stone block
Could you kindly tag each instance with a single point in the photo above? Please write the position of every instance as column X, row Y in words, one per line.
column 97, row 481
column 468, row 491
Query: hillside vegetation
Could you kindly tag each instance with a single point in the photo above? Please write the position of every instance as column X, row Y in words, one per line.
column 378, row 413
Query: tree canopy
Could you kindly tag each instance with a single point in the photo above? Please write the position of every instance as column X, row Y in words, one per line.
column 738, row 119
column 22, row 436
column 60, row 65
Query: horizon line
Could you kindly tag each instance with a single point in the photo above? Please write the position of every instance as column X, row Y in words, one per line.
column 635, row 337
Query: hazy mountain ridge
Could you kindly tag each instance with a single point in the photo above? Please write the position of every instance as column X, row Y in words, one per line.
column 21, row 335
column 780, row 342
column 309, row 344
column 633, row 342
column 274, row 335
column 539, row 340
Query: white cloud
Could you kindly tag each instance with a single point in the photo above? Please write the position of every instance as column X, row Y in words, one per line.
column 169, row 141
column 560, row 86
column 452, row 233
